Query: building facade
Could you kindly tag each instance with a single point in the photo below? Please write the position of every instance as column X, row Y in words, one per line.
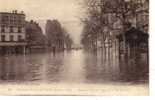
column 12, row 32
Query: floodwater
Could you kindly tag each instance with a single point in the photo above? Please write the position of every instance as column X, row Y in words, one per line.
column 75, row 72
column 76, row 66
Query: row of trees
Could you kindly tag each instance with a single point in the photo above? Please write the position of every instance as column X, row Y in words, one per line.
column 34, row 34
column 56, row 36
column 112, row 17
column 105, row 21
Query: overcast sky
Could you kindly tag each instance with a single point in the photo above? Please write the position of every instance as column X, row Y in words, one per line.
column 67, row 12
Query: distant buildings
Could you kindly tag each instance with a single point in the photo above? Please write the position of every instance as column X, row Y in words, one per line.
column 55, row 35
column 12, row 32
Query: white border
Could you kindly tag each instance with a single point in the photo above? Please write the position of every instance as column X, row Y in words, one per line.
column 152, row 72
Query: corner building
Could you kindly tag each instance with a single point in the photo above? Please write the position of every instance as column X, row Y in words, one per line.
column 12, row 32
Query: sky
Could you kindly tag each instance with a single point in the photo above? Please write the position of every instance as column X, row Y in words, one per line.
column 68, row 12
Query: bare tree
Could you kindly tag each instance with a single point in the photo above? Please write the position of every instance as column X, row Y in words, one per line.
column 102, row 14
column 111, row 16
column 106, row 19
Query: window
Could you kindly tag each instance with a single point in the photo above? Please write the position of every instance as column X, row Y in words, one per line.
column 2, row 38
column 11, row 29
column 19, row 21
column 6, row 18
column 11, row 21
column 19, row 30
column 19, row 38
column 11, row 38
column 3, row 29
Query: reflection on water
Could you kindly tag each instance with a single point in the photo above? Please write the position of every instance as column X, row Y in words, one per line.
column 74, row 66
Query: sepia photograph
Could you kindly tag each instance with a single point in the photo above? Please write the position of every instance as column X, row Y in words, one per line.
column 74, row 47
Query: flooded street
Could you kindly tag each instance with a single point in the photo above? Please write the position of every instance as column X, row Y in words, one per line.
column 74, row 47
column 78, row 71
column 67, row 67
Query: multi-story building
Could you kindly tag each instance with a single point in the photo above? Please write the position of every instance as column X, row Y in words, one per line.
column 12, row 32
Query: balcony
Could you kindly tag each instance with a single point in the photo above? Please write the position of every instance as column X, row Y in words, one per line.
column 13, row 43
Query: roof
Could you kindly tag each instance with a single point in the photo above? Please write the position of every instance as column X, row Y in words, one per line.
column 12, row 13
